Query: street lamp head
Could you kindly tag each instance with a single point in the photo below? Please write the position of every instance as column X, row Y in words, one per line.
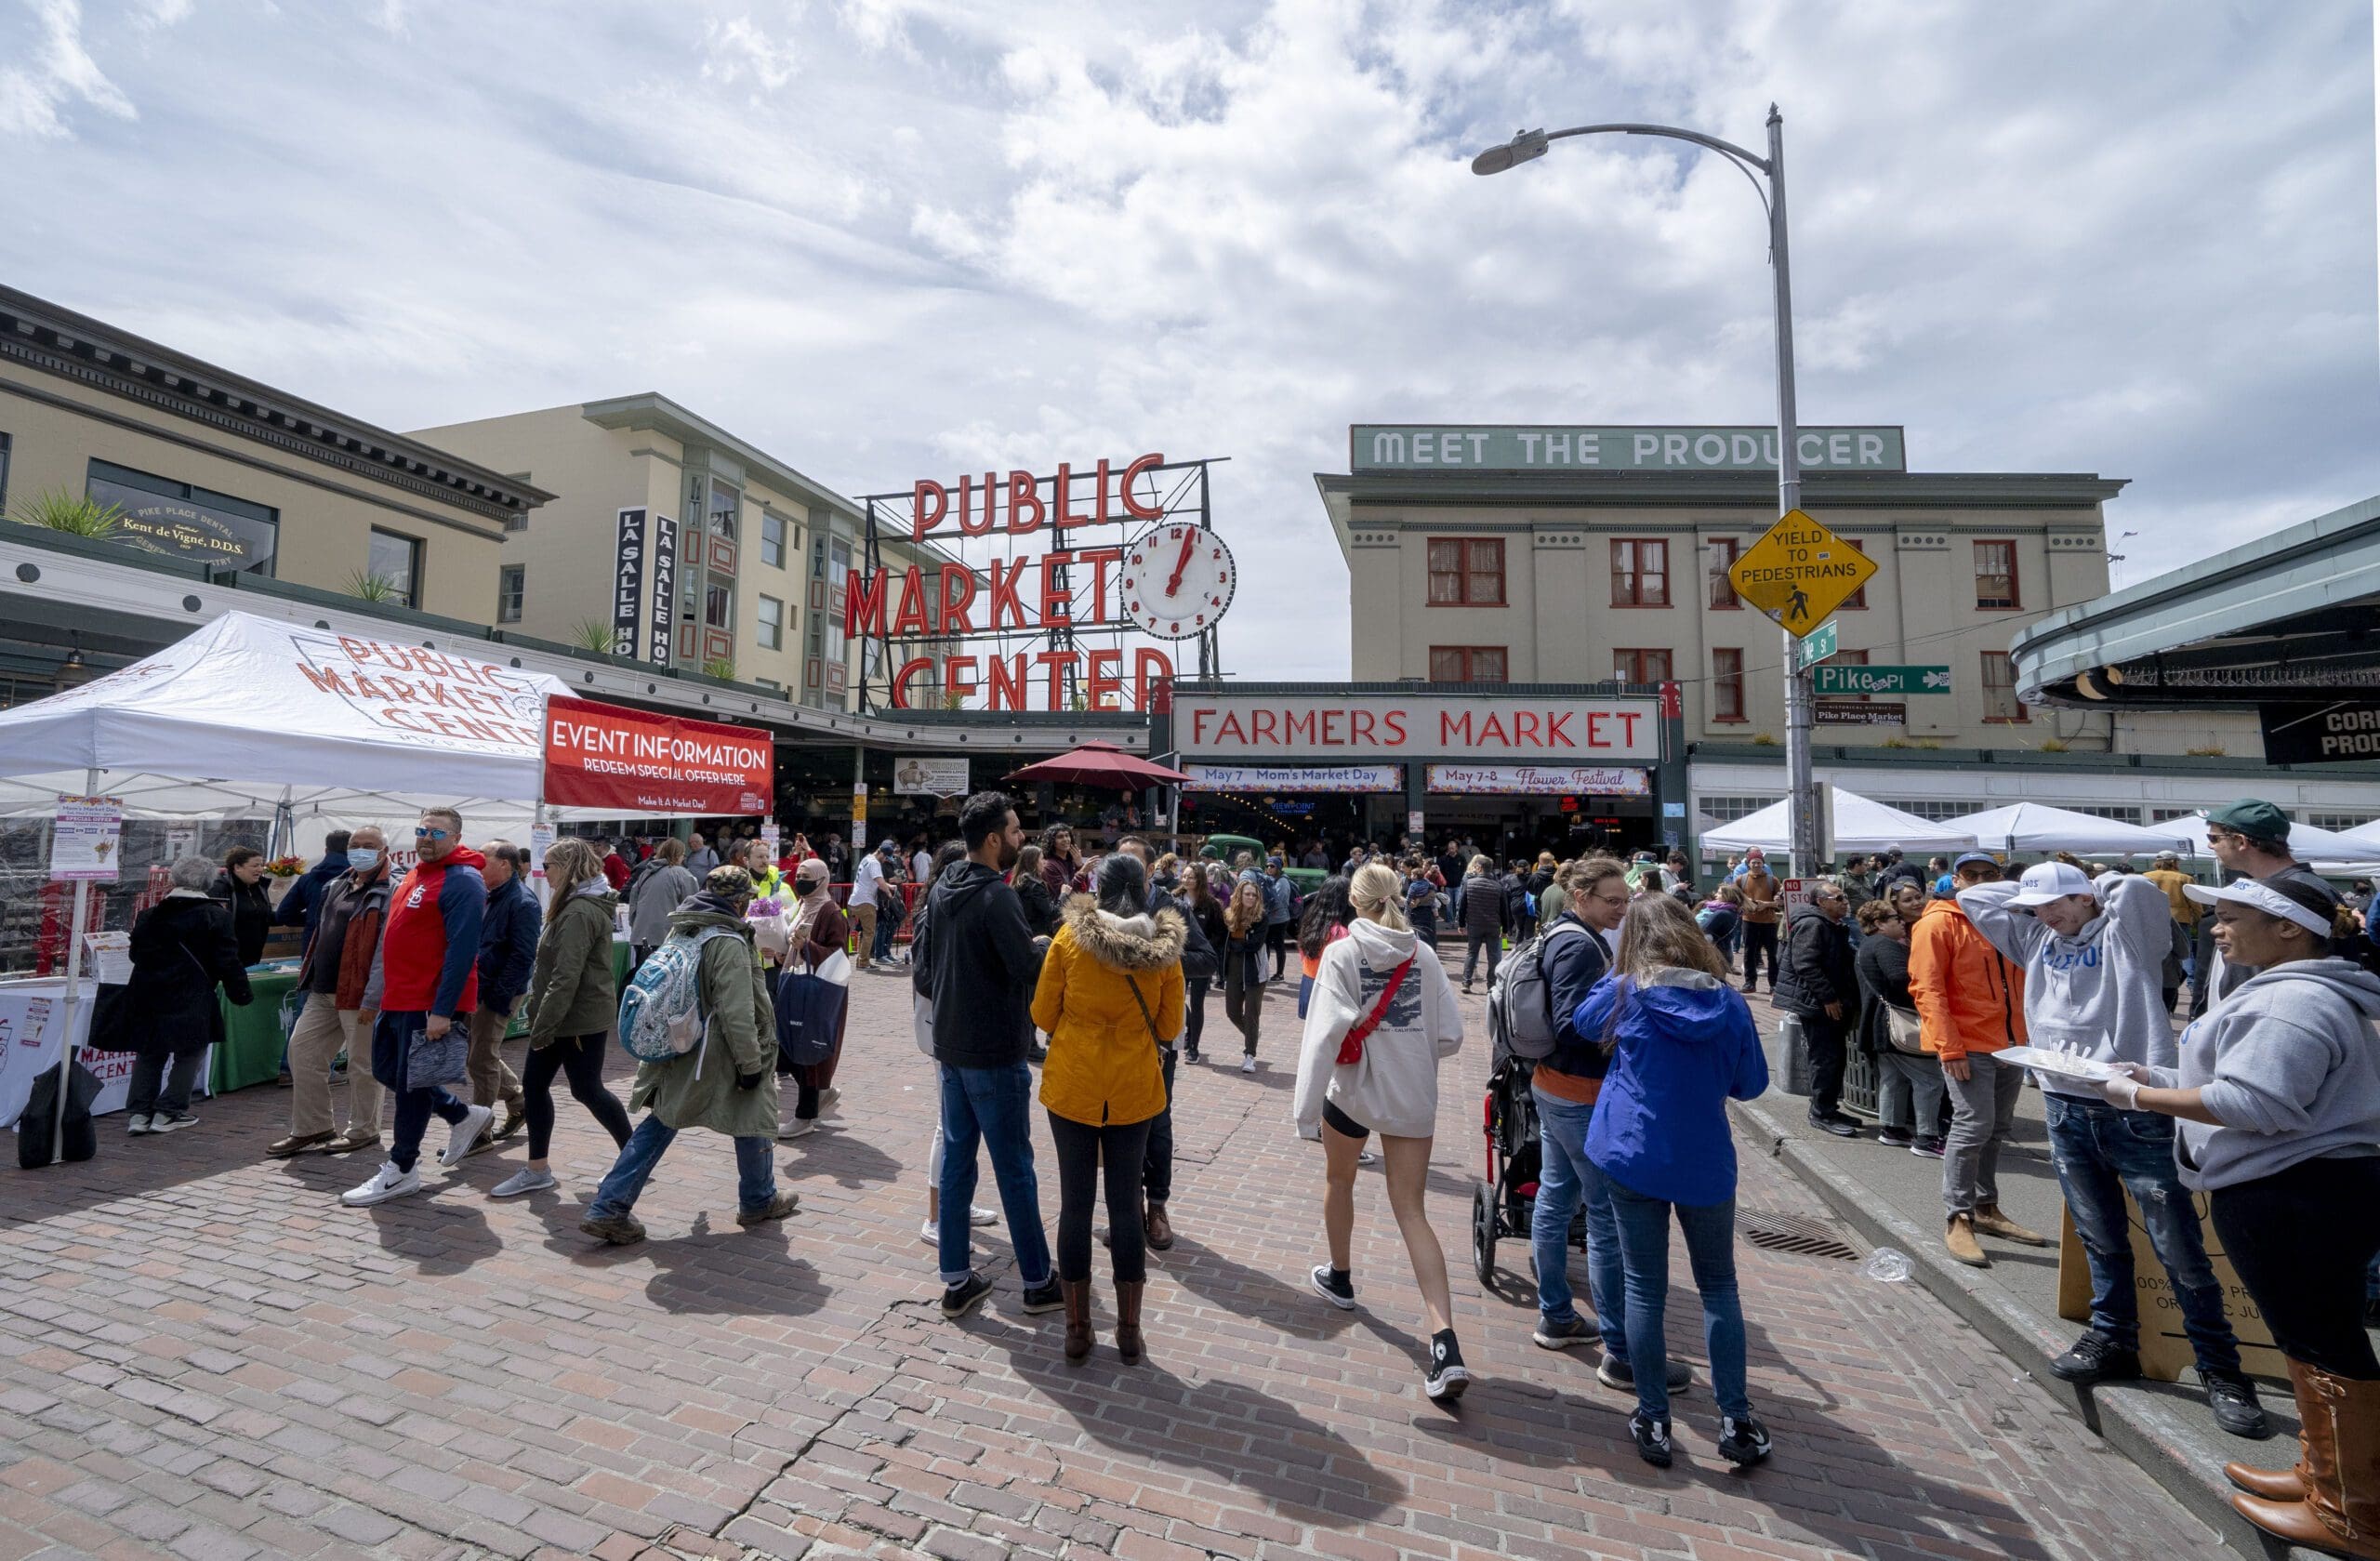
column 1524, row 146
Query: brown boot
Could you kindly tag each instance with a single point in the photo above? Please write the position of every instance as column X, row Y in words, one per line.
column 1989, row 1220
column 1078, row 1340
column 2341, row 1512
column 1157, row 1229
column 1128, row 1321
column 2273, row 1485
column 1959, row 1239
column 516, row 1111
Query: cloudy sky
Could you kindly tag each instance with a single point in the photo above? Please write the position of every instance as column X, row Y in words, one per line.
column 893, row 238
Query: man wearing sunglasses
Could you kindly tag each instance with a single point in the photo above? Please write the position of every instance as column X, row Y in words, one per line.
column 430, row 982
column 2250, row 839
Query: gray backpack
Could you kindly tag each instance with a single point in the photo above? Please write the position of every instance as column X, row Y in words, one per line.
column 1521, row 1021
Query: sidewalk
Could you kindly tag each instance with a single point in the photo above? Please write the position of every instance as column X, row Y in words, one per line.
column 1894, row 1199
column 202, row 1355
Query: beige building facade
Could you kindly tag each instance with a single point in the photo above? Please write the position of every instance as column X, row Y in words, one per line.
column 212, row 468
column 686, row 545
column 1508, row 564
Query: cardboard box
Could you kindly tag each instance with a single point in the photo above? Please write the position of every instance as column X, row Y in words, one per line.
column 2165, row 1350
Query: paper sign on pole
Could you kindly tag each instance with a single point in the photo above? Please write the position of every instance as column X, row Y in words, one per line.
column 1799, row 572
column 84, row 839
column 541, row 841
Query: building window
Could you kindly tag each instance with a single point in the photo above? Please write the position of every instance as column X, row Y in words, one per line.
column 1723, row 552
column 771, row 625
column 2339, row 820
column 1726, row 810
column 1640, row 666
column 718, row 514
column 397, row 561
column 511, row 587
column 1995, row 576
column 771, row 540
column 2000, row 701
column 1467, row 572
column 2123, row 812
column 1640, row 573
column 1467, row 664
column 2166, row 815
column 719, row 606
column 164, row 516
column 1936, row 810
column 1728, row 684
column 3, row 473
column 1857, row 601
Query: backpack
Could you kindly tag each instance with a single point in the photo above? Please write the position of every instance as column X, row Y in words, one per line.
column 1520, row 1001
column 661, row 1011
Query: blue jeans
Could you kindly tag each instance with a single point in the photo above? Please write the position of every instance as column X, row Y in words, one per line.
column 885, row 927
column 756, row 1176
column 2099, row 1151
column 991, row 1108
column 1711, row 1250
column 392, row 1033
column 1565, row 1178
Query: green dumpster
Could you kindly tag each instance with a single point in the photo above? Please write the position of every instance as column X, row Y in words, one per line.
column 254, row 1035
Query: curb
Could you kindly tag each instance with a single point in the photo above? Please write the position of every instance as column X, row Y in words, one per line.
column 2178, row 1453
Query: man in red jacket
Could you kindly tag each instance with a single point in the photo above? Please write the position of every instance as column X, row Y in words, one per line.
column 430, row 984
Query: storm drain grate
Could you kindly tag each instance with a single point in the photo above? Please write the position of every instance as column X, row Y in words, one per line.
column 1793, row 1233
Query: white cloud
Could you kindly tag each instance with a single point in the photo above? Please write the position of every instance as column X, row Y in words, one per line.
column 57, row 72
column 887, row 239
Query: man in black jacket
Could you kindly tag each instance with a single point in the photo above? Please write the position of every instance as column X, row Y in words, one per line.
column 1821, row 986
column 508, row 955
column 985, row 962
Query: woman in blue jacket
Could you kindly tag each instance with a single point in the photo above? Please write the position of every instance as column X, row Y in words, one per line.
column 1682, row 1043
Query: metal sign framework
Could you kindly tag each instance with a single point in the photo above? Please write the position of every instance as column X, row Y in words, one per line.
column 1177, row 490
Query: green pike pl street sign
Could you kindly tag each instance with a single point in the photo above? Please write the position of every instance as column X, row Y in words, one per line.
column 1882, row 680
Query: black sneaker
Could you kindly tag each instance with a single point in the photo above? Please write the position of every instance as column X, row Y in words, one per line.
column 1043, row 1297
column 1743, row 1442
column 1929, row 1146
column 1576, row 1330
column 964, row 1297
column 1339, row 1292
column 2233, row 1399
column 1841, row 1127
column 1448, row 1376
column 1897, row 1138
column 171, row 1121
column 1652, row 1438
column 2095, row 1358
column 1618, row 1374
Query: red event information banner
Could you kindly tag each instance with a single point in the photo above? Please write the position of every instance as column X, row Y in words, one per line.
column 605, row 756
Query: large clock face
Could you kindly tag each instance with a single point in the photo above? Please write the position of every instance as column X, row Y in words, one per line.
column 1177, row 580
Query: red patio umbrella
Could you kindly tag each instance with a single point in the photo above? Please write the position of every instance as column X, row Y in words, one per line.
column 1102, row 764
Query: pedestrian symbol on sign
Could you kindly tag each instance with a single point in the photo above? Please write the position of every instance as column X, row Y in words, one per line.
column 1797, row 606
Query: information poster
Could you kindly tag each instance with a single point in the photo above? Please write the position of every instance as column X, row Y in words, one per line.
column 541, row 841
column 83, row 843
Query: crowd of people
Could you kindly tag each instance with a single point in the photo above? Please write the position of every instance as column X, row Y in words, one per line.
column 1098, row 966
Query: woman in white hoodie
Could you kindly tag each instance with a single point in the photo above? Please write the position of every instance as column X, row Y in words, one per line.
column 1381, row 1017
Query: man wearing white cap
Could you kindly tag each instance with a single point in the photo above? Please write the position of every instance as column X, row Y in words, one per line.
column 2094, row 957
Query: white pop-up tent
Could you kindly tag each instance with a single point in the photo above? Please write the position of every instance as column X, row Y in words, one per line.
column 2321, row 847
column 1860, row 826
column 2036, row 828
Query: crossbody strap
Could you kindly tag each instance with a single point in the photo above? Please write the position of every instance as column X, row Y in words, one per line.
column 1351, row 1049
column 1146, row 1017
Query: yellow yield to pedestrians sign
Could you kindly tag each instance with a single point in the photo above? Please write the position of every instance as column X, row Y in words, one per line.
column 1799, row 572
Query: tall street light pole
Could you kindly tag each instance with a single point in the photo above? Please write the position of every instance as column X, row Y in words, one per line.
column 1530, row 145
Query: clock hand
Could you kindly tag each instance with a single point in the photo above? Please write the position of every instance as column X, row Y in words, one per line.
column 1189, row 546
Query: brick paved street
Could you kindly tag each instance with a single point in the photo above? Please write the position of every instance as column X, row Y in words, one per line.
column 203, row 1355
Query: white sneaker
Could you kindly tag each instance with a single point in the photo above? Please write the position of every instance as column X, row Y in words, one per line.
column 171, row 1121
column 463, row 1134
column 386, row 1182
column 828, row 1099
column 800, row 1127
column 523, row 1182
column 136, row 1127
column 1365, row 1156
column 1248, row 1065
column 931, row 1232
column 979, row 1215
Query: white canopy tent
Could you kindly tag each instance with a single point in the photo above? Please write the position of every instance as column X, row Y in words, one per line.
column 2035, row 828
column 1860, row 826
column 2325, row 849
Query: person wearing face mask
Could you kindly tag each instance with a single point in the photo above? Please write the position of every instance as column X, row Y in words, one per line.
column 816, row 932
column 341, row 980
column 2094, row 958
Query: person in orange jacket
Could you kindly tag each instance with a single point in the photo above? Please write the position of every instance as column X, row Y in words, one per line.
column 1971, row 1006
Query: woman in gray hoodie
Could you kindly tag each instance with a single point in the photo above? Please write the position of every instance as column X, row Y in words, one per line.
column 2278, row 1095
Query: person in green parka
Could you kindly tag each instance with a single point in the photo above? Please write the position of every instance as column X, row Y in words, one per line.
column 728, row 1083
column 572, row 1005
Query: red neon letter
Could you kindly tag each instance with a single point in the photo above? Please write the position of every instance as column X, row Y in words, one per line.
column 1103, row 678
column 926, row 507
column 1005, row 599
column 866, row 597
column 1133, row 506
column 1098, row 559
column 1006, row 691
column 958, row 675
column 1151, row 669
column 900, row 690
column 955, row 602
column 909, row 620
column 1024, row 498
column 1057, row 603
column 975, row 528
column 1054, row 660
column 1064, row 492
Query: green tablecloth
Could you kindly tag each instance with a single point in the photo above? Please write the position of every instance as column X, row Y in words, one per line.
column 253, row 1035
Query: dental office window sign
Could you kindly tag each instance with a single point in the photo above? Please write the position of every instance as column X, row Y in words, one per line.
column 85, row 840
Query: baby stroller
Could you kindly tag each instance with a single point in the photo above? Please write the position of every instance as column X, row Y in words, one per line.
column 1505, row 1204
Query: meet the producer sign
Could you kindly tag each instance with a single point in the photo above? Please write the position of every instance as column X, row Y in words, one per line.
column 604, row 755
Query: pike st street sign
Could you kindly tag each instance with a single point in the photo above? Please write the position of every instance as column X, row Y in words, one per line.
column 1799, row 572
column 1882, row 680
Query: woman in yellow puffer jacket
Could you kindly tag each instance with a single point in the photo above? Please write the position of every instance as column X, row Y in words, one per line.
column 1110, row 997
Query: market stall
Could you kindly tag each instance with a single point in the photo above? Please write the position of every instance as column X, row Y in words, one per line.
column 1856, row 827
column 2037, row 829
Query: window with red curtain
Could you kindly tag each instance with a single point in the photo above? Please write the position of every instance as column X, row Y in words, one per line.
column 1723, row 550
column 1640, row 666
column 1467, row 664
column 1640, row 572
column 1728, row 684
column 1466, row 571
column 2000, row 701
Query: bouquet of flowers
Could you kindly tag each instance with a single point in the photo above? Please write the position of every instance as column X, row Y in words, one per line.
column 769, row 930
column 286, row 867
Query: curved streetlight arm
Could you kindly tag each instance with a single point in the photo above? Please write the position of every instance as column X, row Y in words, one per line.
column 1697, row 137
